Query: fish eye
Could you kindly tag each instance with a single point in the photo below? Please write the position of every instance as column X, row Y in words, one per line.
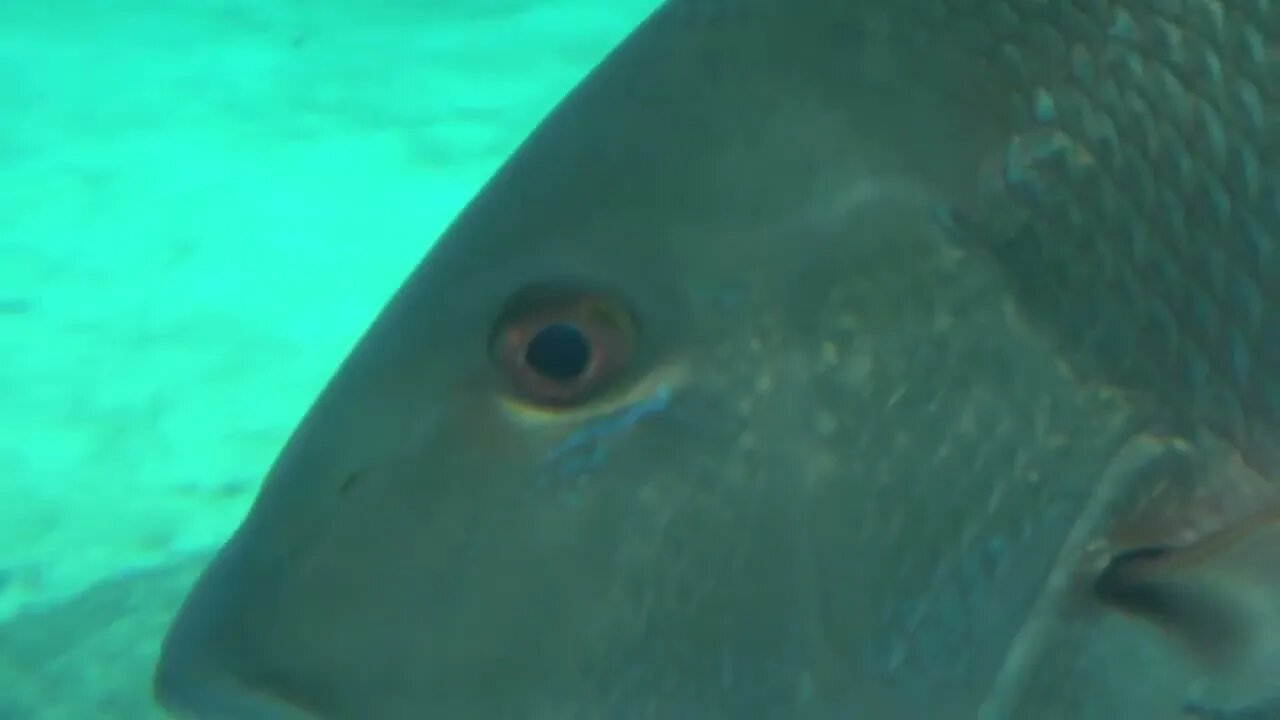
column 561, row 348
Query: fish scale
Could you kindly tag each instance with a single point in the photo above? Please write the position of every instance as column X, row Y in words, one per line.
column 1140, row 196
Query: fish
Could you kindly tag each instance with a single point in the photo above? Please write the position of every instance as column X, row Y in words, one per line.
column 812, row 359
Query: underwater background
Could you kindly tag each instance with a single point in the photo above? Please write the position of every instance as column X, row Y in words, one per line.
column 203, row 203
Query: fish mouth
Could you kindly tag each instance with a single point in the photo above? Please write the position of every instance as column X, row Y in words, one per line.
column 194, row 695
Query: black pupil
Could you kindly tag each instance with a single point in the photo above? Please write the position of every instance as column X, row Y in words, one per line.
column 559, row 352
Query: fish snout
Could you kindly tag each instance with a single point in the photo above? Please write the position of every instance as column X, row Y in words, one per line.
column 192, row 680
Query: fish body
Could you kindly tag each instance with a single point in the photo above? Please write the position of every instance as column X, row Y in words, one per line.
column 778, row 375
column 1141, row 177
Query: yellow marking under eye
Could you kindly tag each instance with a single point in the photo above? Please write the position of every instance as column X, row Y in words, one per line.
column 532, row 415
column 610, row 314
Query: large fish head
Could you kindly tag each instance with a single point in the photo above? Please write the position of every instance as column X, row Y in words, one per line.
column 693, row 412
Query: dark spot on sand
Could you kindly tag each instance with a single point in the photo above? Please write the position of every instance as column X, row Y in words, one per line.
column 14, row 306
column 234, row 488
column 229, row 489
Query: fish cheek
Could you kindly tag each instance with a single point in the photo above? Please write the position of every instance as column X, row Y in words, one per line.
column 434, row 572
column 524, row 533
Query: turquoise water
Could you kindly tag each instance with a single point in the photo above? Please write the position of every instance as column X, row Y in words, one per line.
column 202, row 204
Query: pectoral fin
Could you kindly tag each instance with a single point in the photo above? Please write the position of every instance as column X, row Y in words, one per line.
column 1220, row 596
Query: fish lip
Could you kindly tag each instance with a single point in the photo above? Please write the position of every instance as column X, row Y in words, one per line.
column 191, row 685
column 196, row 695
